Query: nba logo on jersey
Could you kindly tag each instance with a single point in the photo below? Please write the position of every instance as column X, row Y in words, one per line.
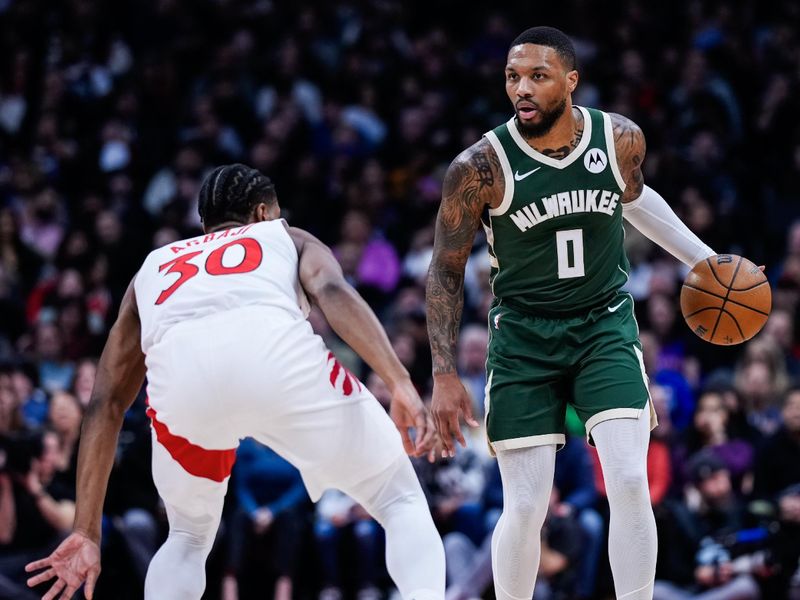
column 595, row 160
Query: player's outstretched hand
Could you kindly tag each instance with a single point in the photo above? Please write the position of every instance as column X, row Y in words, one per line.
column 77, row 559
column 450, row 399
column 407, row 412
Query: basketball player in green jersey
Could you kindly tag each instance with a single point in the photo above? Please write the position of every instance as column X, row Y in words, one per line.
column 550, row 187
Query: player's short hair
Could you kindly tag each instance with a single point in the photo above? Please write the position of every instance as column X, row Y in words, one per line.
column 552, row 38
column 230, row 192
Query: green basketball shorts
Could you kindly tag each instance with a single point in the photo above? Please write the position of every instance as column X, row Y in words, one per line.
column 537, row 365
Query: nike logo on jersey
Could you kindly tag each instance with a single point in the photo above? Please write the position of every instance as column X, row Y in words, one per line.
column 518, row 177
column 614, row 308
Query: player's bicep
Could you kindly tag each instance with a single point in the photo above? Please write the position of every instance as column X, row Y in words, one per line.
column 121, row 369
column 318, row 268
column 630, row 148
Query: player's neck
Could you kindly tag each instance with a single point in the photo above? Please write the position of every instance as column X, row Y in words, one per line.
column 226, row 225
column 563, row 137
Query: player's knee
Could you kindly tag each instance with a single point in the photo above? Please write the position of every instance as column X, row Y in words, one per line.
column 523, row 509
column 199, row 539
column 627, row 485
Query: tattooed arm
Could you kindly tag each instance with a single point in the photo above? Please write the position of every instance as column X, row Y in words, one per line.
column 473, row 181
column 643, row 207
column 630, row 148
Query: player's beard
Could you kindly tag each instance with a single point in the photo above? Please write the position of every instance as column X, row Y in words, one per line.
column 548, row 119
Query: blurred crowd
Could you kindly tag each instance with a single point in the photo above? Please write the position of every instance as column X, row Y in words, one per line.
column 111, row 114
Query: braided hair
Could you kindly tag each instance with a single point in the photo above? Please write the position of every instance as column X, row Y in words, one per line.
column 230, row 192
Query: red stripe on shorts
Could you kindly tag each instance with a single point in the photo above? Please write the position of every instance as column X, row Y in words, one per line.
column 200, row 462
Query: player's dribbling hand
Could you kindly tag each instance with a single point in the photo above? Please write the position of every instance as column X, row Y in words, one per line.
column 77, row 559
column 407, row 411
column 450, row 399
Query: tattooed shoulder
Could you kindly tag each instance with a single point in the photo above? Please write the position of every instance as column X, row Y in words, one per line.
column 476, row 176
column 630, row 148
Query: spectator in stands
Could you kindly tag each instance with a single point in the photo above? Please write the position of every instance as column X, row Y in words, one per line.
column 36, row 511
column 711, row 430
column 338, row 515
column 355, row 112
column 696, row 529
column 472, row 343
column 760, row 380
column 55, row 373
column 778, row 464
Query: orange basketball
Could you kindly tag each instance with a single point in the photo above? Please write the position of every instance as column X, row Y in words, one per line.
column 726, row 299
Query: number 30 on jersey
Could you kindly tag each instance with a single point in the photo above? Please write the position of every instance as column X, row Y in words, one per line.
column 251, row 259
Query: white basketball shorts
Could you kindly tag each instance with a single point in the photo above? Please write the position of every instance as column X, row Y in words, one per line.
column 257, row 372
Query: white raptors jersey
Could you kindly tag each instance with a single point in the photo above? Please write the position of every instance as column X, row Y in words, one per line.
column 250, row 265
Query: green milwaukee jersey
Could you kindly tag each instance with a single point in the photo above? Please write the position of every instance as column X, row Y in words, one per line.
column 556, row 240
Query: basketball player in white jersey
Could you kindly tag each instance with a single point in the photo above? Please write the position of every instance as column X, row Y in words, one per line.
column 217, row 325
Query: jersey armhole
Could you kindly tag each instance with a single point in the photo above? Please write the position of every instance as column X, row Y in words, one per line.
column 612, row 151
column 508, row 192
column 302, row 297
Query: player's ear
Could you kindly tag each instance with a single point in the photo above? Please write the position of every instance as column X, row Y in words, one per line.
column 572, row 81
column 261, row 212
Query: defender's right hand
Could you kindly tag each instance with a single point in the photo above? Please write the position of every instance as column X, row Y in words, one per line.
column 450, row 399
column 408, row 412
column 76, row 560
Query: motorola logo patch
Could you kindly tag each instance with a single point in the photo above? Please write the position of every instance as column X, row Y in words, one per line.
column 595, row 160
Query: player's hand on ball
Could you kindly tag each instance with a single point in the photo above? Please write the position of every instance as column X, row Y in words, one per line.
column 450, row 399
column 407, row 411
column 77, row 559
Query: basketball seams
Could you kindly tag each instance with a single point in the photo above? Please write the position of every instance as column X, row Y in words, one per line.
column 735, row 321
column 697, row 289
column 722, row 308
column 714, row 273
column 697, row 312
column 704, row 291
column 752, row 287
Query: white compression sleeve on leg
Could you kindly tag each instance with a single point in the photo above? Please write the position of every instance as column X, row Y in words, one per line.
column 527, row 476
column 651, row 215
column 414, row 551
column 632, row 540
column 178, row 569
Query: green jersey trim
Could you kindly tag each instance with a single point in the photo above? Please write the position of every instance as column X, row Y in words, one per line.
column 508, row 194
column 546, row 160
column 612, row 151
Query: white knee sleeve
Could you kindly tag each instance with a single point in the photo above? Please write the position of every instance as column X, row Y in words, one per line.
column 632, row 544
column 527, row 476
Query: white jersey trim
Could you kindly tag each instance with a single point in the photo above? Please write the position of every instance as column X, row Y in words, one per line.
column 560, row 163
column 558, row 439
column 508, row 193
column 612, row 151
